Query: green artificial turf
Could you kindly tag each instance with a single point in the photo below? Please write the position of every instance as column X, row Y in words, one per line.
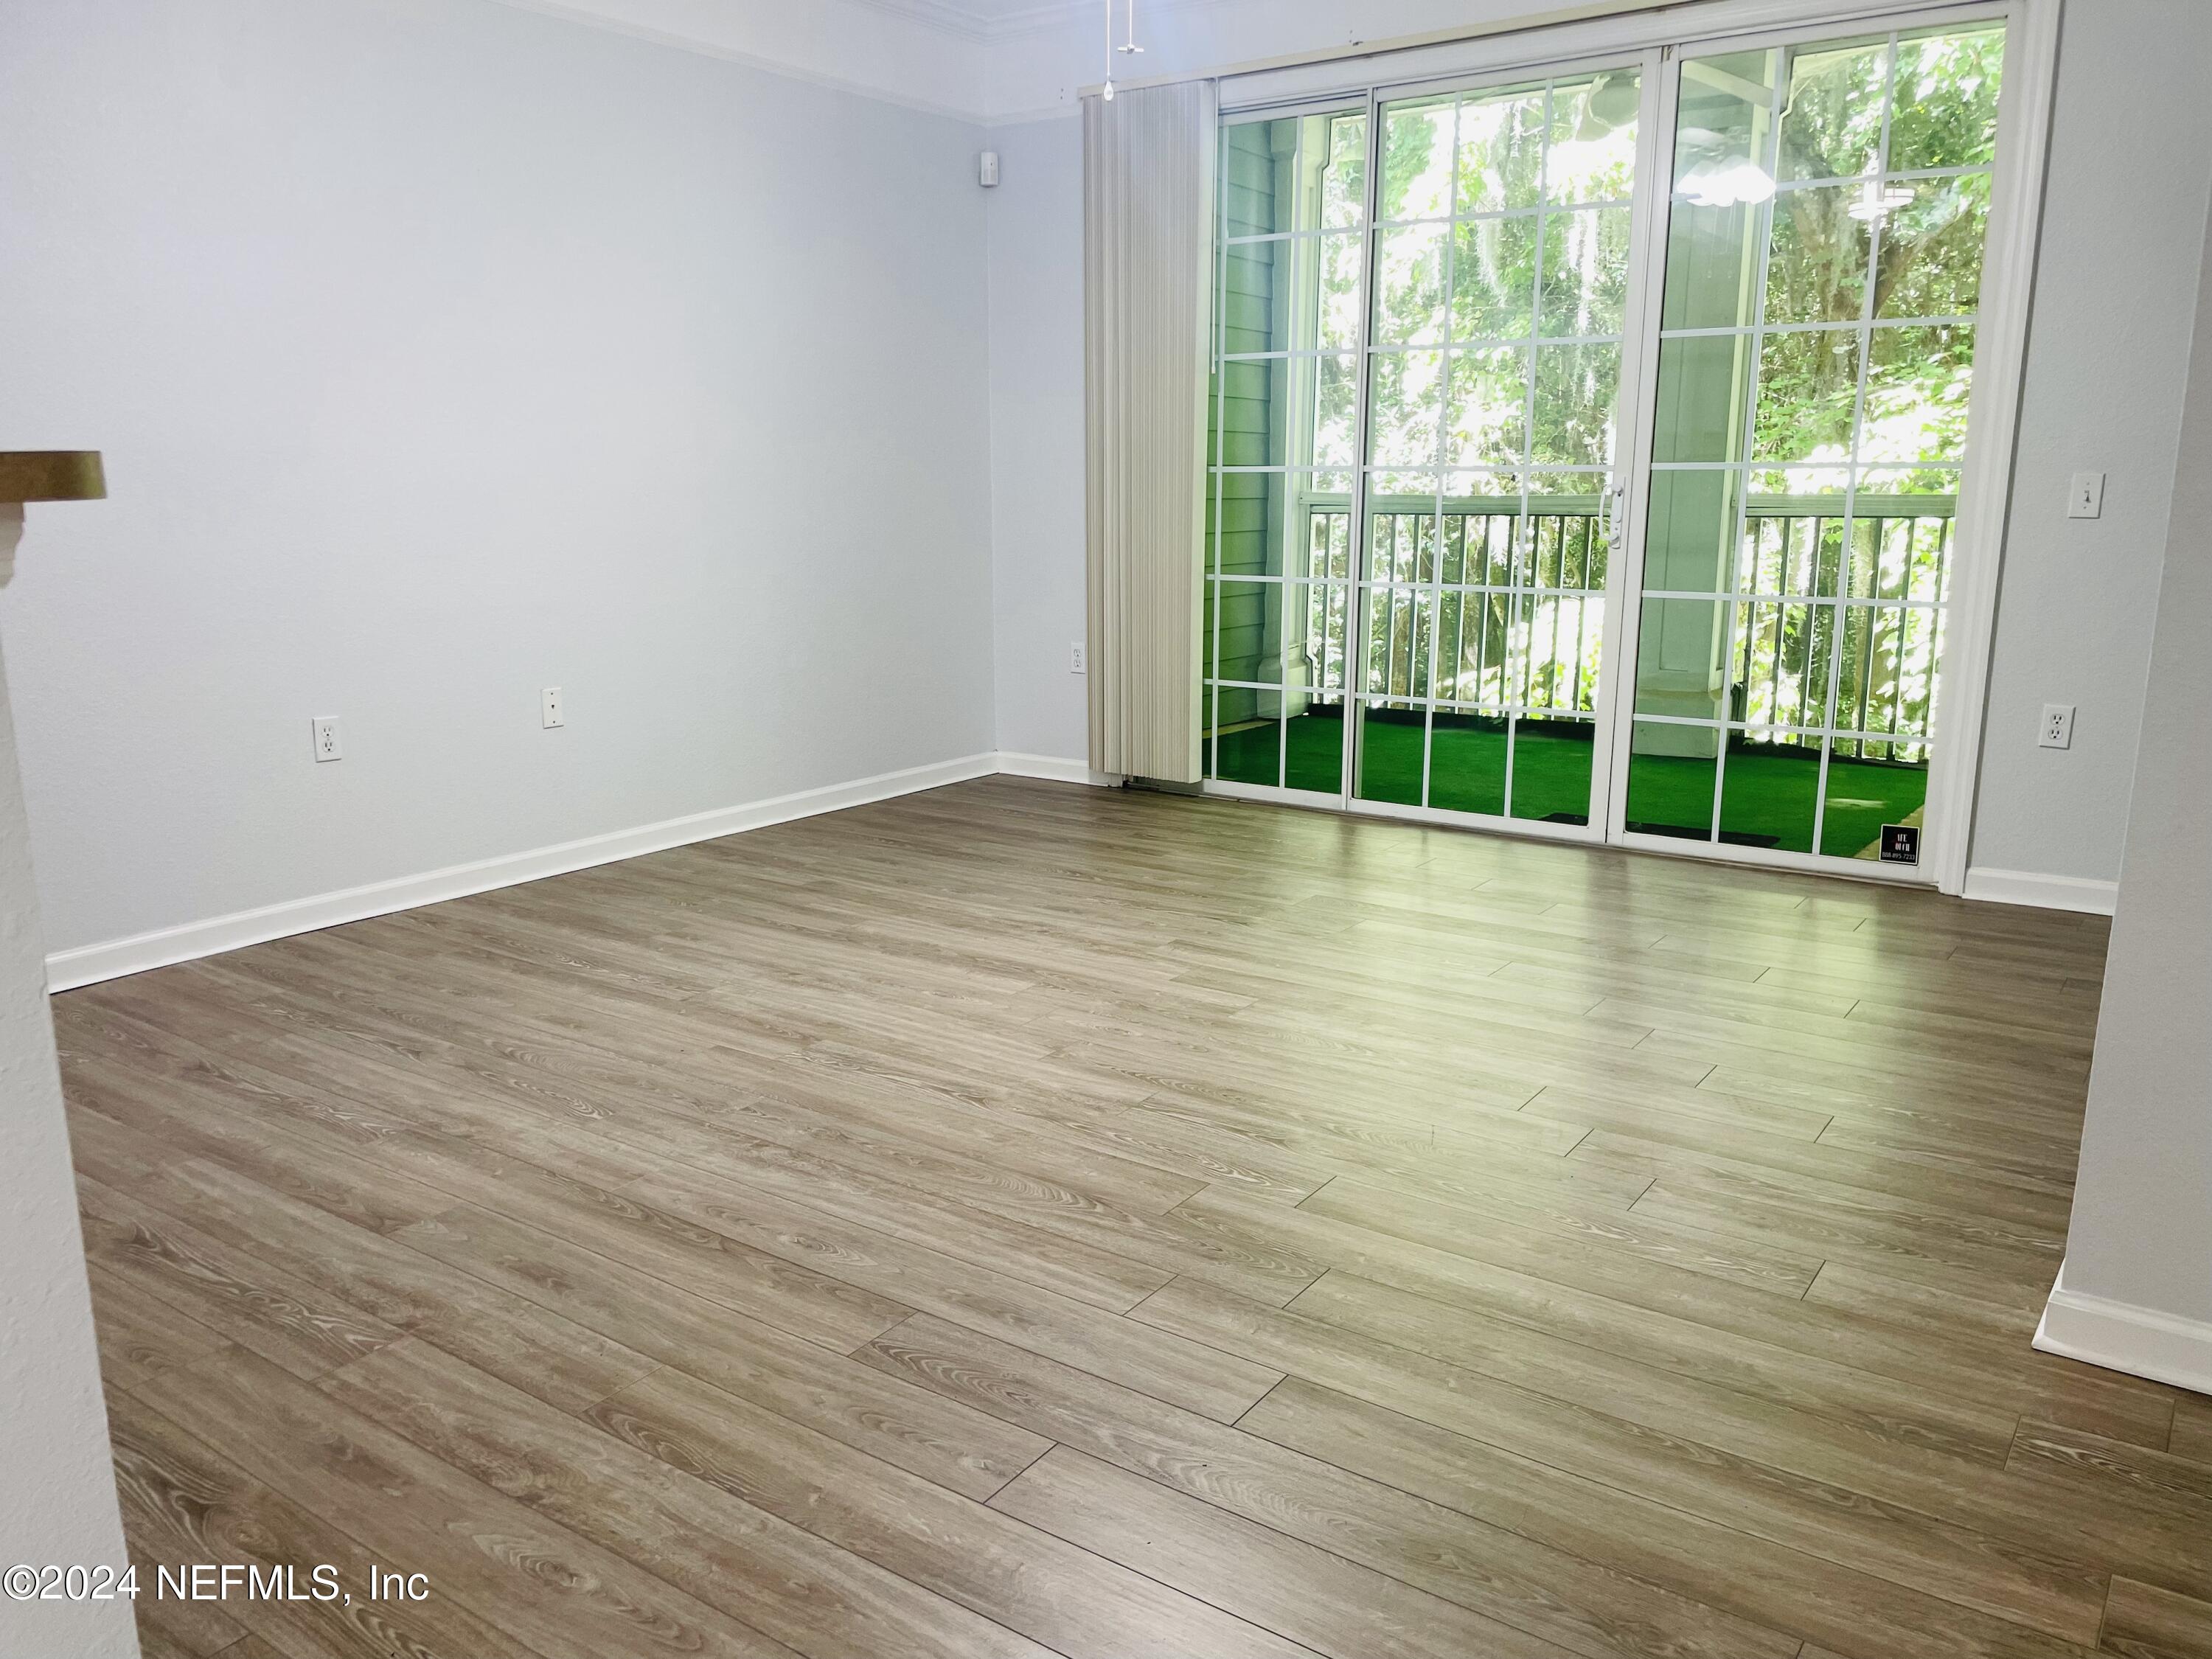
column 1768, row 801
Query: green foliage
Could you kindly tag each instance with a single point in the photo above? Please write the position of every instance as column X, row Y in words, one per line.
column 1921, row 241
column 1831, row 123
column 1532, row 157
column 1416, row 160
column 1931, row 250
column 1816, row 265
column 1501, row 151
column 1807, row 392
column 1946, row 112
column 1344, row 182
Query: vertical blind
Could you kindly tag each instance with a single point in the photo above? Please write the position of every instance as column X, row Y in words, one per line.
column 1148, row 182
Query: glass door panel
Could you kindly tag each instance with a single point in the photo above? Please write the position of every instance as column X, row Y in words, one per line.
column 1816, row 344
column 1433, row 310
column 1276, row 628
column 1500, row 280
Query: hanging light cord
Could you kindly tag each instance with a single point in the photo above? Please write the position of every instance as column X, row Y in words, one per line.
column 1129, row 49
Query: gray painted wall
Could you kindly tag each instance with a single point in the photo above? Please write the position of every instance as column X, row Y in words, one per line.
column 2116, row 289
column 442, row 351
column 2142, row 1205
column 1035, row 223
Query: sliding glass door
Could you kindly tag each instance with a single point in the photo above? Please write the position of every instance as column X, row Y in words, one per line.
column 1493, row 423
column 1502, row 232
column 1821, row 284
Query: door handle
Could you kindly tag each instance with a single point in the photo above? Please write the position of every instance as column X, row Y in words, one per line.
column 1616, row 499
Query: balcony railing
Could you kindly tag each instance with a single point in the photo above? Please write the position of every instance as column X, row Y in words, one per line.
column 1485, row 609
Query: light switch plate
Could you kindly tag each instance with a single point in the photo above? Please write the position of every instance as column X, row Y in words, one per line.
column 2085, row 496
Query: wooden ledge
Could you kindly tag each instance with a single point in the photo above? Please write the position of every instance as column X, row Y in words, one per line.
column 51, row 475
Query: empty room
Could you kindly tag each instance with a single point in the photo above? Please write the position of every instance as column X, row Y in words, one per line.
column 1063, row 829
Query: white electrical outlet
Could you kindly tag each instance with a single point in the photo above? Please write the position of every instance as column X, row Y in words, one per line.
column 2057, row 729
column 329, row 744
column 2085, row 496
column 549, row 706
column 1075, row 657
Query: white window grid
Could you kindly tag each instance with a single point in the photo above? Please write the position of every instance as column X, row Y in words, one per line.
column 1826, row 731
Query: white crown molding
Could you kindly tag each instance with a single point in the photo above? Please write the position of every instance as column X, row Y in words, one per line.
column 734, row 39
column 959, row 21
column 972, row 23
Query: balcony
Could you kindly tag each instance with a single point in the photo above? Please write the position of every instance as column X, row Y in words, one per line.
column 1471, row 620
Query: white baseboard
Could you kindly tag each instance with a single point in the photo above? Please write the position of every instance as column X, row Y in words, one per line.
column 1053, row 770
column 2095, row 898
column 86, row 964
column 2122, row 1337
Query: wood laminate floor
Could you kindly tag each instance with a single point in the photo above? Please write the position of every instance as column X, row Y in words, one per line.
column 1021, row 1219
